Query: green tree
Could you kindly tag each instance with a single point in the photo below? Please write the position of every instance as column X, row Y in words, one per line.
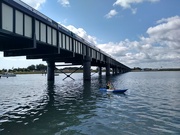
column 32, row 67
column 41, row 67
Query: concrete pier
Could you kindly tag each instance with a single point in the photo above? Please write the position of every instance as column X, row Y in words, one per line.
column 50, row 70
column 113, row 71
column 116, row 70
column 107, row 69
column 100, row 70
column 87, row 68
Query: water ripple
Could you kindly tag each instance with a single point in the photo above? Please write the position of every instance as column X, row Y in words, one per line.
column 150, row 106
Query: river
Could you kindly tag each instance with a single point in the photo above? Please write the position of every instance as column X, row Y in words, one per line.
column 29, row 105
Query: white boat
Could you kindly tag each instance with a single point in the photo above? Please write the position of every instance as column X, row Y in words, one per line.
column 56, row 74
column 8, row 75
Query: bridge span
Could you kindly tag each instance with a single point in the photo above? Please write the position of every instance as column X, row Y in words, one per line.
column 25, row 31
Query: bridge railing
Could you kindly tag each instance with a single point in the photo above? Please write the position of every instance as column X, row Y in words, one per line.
column 33, row 10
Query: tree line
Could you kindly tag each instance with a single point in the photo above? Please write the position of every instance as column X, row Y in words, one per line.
column 39, row 67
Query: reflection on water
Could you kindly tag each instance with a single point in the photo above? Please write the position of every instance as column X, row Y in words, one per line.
column 150, row 106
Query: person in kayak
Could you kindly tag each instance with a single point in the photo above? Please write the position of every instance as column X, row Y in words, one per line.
column 109, row 86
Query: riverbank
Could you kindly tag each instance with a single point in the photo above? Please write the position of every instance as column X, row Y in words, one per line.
column 153, row 69
column 81, row 71
column 40, row 72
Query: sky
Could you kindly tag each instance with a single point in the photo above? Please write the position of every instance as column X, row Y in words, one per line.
column 138, row 33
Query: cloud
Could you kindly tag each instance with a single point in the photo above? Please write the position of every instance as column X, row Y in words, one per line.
column 111, row 14
column 64, row 3
column 127, row 4
column 115, row 49
column 82, row 33
column 35, row 3
column 160, row 48
column 134, row 10
column 167, row 32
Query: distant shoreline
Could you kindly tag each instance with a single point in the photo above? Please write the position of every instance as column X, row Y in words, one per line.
column 150, row 69
column 81, row 71
column 38, row 72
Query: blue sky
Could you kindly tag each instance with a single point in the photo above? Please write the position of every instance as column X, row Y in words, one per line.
column 138, row 33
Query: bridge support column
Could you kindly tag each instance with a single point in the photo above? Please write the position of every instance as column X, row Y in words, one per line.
column 50, row 70
column 116, row 70
column 121, row 70
column 108, row 69
column 87, row 68
column 100, row 71
column 113, row 71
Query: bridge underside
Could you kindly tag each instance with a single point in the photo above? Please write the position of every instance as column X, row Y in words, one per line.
column 11, row 41
column 13, row 45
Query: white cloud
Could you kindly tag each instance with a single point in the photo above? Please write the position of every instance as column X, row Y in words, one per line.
column 167, row 33
column 127, row 4
column 111, row 14
column 64, row 3
column 115, row 49
column 134, row 10
column 82, row 33
column 160, row 48
column 35, row 3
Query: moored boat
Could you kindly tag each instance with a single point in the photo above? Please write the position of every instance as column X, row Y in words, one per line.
column 56, row 74
column 8, row 75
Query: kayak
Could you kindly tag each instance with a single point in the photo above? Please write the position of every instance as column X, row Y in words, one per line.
column 114, row 91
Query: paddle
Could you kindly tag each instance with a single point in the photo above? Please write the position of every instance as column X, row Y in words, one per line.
column 113, row 86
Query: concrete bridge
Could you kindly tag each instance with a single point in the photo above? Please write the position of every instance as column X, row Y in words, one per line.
column 25, row 31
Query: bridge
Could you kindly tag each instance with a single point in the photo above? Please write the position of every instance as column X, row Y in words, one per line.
column 25, row 31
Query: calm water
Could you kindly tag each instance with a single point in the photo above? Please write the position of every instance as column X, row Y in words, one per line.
column 31, row 106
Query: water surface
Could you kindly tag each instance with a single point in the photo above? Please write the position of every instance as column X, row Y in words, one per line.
column 30, row 105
